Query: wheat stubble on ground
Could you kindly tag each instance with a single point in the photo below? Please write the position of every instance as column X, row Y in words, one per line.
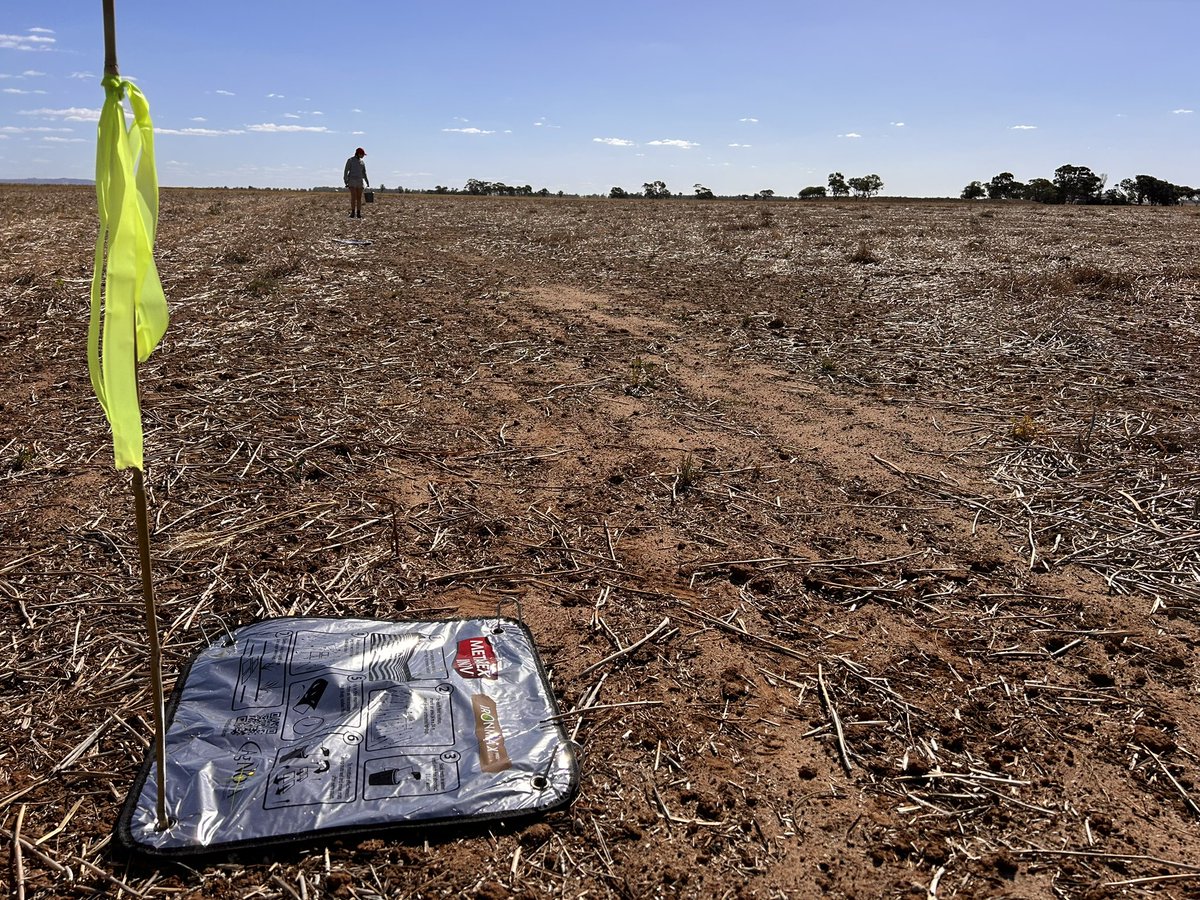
column 904, row 494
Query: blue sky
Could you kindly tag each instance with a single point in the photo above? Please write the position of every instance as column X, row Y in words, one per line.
column 579, row 96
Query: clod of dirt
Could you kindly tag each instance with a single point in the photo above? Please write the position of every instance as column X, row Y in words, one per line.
column 986, row 563
column 1153, row 739
column 762, row 586
column 490, row 890
column 536, row 835
column 708, row 806
column 734, row 685
column 739, row 575
column 1004, row 864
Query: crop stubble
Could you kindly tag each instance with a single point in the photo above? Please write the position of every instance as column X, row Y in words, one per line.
column 861, row 539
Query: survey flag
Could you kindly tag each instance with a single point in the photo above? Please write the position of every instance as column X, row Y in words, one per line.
column 134, row 315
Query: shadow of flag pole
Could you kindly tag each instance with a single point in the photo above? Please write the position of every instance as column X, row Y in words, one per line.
column 134, row 316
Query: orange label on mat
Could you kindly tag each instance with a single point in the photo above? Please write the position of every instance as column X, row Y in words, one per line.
column 493, row 757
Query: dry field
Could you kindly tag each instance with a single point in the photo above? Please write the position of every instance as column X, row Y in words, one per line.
column 906, row 497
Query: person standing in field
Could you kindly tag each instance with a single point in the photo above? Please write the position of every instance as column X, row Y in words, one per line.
column 355, row 176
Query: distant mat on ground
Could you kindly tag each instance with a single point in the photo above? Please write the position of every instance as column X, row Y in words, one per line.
column 295, row 729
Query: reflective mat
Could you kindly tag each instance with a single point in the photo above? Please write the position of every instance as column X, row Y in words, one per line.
column 300, row 728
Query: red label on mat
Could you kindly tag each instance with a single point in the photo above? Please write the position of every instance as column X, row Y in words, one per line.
column 476, row 658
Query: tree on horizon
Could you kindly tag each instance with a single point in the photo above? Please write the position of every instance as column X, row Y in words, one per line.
column 837, row 185
column 656, row 190
column 866, row 185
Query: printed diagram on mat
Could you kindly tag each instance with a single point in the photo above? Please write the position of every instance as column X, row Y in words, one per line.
column 262, row 673
column 406, row 657
column 412, row 776
column 316, row 771
column 403, row 716
column 326, row 685
column 315, row 704
column 300, row 725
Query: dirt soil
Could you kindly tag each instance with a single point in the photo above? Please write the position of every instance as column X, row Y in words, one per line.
column 912, row 485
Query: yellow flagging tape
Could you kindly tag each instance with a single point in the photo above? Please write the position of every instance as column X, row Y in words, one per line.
column 135, row 309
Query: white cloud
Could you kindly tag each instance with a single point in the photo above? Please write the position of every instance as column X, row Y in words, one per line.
column 198, row 132
column 225, row 93
column 469, row 130
column 272, row 128
column 33, row 41
column 32, row 73
column 897, row 124
column 850, row 134
column 62, row 140
column 36, row 129
column 613, row 142
column 1023, row 128
column 1183, row 112
column 749, row 119
column 37, row 30
column 20, row 91
column 682, row 145
column 275, row 96
column 71, row 114
column 290, row 116
column 740, row 146
column 198, row 119
column 82, row 76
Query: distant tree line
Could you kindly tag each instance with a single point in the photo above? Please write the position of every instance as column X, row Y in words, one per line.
column 499, row 189
column 654, row 190
column 1071, row 184
column 839, row 186
column 658, row 190
column 474, row 186
column 1079, row 184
